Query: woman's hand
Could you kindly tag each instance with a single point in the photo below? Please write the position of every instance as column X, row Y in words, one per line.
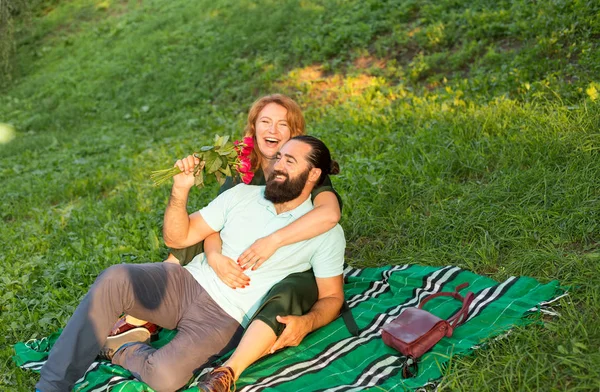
column 228, row 271
column 258, row 252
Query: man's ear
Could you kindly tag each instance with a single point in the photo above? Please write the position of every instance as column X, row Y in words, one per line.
column 314, row 174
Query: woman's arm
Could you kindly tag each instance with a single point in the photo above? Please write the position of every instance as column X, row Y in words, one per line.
column 212, row 244
column 324, row 216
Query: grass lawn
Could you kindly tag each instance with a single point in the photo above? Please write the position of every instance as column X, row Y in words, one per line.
column 468, row 133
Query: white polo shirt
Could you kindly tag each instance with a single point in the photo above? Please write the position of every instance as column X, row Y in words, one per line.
column 243, row 215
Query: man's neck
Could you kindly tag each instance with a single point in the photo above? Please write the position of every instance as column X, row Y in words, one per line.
column 280, row 208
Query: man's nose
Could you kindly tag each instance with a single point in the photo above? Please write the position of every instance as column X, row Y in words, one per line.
column 278, row 165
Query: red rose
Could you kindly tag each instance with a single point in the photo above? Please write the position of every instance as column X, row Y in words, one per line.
column 245, row 166
column 249, row 142
column 247, row 177
column 246, row 151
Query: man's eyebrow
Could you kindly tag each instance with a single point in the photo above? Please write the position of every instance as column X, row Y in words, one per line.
column 290, row 156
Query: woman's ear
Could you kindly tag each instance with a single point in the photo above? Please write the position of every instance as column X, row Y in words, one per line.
column 314, row 174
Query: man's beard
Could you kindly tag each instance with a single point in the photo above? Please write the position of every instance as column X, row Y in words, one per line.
column 282, row 192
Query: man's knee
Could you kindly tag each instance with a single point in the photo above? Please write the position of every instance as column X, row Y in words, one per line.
column 166, row 377
column 113, row 274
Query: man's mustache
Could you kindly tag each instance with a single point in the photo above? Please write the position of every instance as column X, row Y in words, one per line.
column 276, row 173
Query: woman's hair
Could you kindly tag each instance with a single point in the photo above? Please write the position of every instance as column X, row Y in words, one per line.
column 319, row 157
column 295, row 120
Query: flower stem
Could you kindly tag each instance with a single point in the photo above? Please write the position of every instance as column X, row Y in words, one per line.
column 161, row 176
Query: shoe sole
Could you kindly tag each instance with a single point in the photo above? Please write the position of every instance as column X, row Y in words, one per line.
column 140, row 334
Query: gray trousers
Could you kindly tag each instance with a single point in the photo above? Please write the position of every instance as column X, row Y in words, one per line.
column 162, row 293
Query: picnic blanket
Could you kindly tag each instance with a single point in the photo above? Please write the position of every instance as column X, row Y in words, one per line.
column 331, row 359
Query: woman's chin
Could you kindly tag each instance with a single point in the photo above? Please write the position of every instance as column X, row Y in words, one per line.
column 269, row 153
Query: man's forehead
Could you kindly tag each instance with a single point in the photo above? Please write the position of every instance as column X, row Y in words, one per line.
column 295, row 149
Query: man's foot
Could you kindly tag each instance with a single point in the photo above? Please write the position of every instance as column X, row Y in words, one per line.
column 221, row 379
column 122, row 326
column 114, row 343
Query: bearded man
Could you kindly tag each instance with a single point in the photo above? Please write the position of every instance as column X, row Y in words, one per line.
column 209, row 315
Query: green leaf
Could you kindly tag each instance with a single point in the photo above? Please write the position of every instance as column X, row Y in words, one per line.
column 220, row 177
column 199, row 179
column 213, row 162
column 371, row 179
column 562, row 350
column 227, row 171
column 153, row 240
column 225, row 150
column 209, row 180
column 206, row 148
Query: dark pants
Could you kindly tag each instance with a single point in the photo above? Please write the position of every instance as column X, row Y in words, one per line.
column 295, row 295
column 162, row 293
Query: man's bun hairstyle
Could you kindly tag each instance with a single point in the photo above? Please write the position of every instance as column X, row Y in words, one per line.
column 334, row 169
column 319, row 156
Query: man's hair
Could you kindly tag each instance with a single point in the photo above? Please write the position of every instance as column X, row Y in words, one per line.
column 319, row 156
column 294, row 117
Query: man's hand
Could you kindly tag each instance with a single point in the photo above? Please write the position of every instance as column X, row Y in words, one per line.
column 185, row 179
column 228, row 271
column 325, row 310
column 259, row 252
column 296, row 328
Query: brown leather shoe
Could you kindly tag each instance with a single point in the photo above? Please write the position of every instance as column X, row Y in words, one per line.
column 222, row 379
column 122, row 326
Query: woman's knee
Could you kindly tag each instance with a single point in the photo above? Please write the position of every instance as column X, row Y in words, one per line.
column 172, row 259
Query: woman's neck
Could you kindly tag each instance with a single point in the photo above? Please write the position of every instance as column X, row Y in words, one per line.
column 267, row 166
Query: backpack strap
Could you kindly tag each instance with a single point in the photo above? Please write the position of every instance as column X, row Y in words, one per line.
column 349, row 319
column 461, row 316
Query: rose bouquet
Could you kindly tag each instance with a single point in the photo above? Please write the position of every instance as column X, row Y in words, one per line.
column 223, row 159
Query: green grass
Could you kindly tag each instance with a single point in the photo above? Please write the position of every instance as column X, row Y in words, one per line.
column 467, row 133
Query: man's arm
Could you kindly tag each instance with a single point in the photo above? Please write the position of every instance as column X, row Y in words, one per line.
column 179, row 229
column 324, row 311
column 186, row 232
column 226, row 269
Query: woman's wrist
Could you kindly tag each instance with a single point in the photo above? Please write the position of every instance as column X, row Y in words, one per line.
column 276, row 239
column 210, row 258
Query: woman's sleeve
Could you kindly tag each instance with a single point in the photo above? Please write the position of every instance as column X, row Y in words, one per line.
column 326, row 186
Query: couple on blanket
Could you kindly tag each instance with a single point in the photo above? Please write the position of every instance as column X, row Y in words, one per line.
column 286, row 280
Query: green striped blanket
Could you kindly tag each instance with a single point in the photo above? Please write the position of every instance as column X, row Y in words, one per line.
column 331, row 359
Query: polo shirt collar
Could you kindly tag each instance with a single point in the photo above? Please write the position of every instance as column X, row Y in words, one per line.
column 297, row 212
